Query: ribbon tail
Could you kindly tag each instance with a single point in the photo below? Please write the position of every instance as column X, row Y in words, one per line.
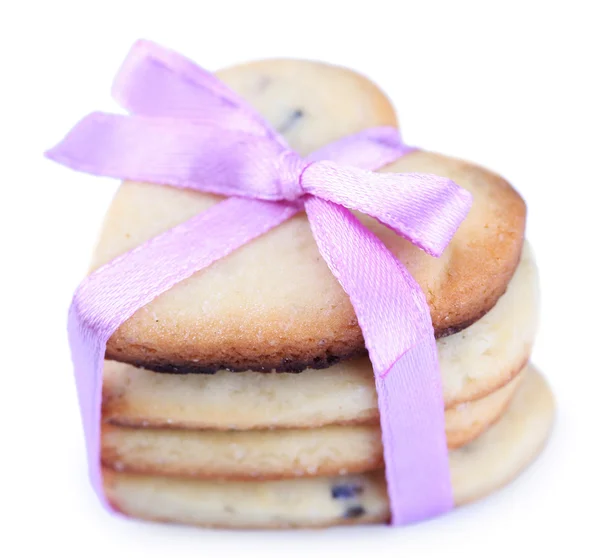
column 113, row 293
column 368, row 149
column 396, row 324
column 413, row 434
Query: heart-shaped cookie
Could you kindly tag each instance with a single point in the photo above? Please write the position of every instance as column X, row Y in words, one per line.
column 274, row 304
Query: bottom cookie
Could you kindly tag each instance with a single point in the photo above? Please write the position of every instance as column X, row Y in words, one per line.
column 477, row 469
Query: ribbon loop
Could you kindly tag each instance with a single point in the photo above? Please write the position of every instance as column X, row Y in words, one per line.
column 183, row 154
column 154, row 81
column 423, row 208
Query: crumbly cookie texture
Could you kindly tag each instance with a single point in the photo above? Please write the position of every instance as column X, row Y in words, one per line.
column 473, row 363
column 479, row 468
column 278, row 454
column 274, row 304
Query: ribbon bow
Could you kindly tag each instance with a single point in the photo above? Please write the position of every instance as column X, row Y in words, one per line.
column 188, row 130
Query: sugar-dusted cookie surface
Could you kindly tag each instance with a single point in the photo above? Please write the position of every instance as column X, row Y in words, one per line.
column 479, row 468
column 474, row 362
column 274, row 303
column 278, row 454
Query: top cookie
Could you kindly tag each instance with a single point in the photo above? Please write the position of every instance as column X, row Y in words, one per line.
column 274, row 304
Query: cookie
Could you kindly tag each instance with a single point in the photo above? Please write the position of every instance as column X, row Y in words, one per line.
column 474, row 362
column 275, row 454
column 467, row 421
column 274, row 304
column 479, row 468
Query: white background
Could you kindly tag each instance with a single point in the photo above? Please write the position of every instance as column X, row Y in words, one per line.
column 512, row 86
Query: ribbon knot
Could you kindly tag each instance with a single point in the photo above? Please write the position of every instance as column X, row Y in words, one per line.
column 291, row 171
column 189, row 130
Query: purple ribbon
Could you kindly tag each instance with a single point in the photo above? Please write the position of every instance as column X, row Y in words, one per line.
column 188, row 130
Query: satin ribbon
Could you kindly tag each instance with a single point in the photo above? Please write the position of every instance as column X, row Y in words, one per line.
column 188, row 130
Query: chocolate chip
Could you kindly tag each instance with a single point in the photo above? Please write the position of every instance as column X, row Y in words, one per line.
column 292, row 119
column 344, row 491
column 354, row 511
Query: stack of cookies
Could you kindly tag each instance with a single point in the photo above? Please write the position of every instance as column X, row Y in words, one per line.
column 244, row 396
